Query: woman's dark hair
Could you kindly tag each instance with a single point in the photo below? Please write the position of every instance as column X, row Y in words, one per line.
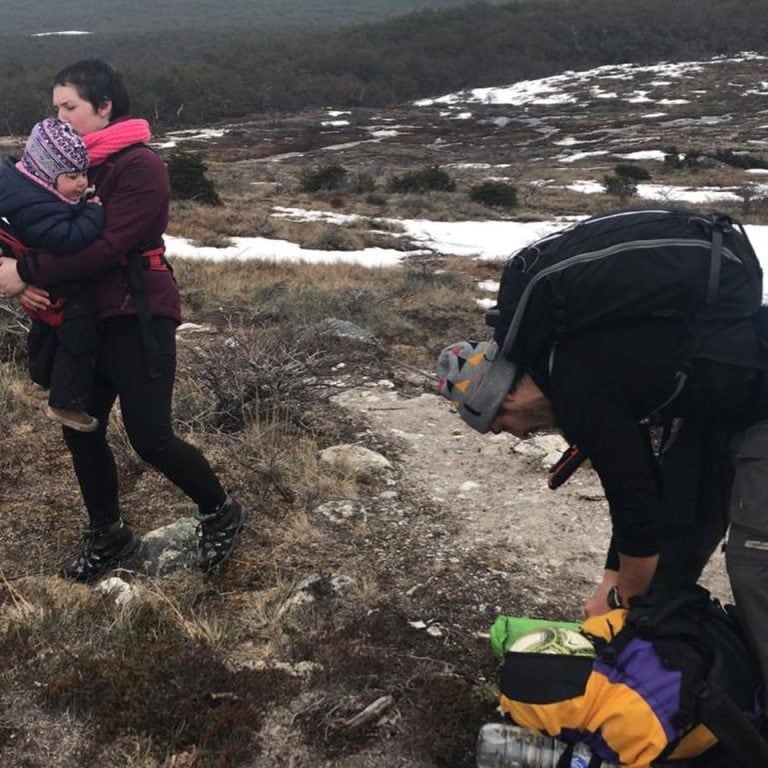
column 96, row 82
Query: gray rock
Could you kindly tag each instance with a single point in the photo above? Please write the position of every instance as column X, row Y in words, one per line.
column 342, row 511
column 360, row 462
column 170, row 548
column 121, row 591
column 343, row 328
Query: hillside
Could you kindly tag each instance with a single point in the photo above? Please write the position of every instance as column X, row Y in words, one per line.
column 349, row 629
column 198, row 76
column 264, row 16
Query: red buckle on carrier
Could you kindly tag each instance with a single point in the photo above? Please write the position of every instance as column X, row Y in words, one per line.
column 155, row 259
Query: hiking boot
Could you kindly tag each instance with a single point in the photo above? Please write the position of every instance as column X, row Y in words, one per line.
column 216, row 534
column 103, row 548
column 79, row 420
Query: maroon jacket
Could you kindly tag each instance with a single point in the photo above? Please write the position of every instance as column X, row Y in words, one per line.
column 135, row 191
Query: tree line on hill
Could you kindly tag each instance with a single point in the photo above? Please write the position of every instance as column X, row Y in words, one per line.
column 177, row 16
column 199, row 80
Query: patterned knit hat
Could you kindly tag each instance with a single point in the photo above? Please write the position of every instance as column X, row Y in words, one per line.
column 476, row 380
column 53, row 148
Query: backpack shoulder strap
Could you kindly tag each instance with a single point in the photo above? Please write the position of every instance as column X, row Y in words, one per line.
column 105, row 167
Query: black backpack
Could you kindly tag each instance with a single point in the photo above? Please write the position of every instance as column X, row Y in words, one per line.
column 624, row 266
column 720, row 677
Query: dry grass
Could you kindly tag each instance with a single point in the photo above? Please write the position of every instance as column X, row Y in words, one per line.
column 122, row 669
column 189, row 673
column 418, row 306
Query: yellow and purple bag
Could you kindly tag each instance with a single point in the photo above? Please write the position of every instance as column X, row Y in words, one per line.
column 665, row 680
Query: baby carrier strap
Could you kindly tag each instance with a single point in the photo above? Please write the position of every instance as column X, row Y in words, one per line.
column 10, row 244
column 13, row 248
column 150, row 256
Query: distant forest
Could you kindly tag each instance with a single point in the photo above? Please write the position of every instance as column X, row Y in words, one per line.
column 199, row 78
column 270, row 16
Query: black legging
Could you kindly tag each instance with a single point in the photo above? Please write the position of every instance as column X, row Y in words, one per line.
column 145, row 404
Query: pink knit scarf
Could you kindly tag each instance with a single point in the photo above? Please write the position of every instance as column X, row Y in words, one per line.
column 116, row 136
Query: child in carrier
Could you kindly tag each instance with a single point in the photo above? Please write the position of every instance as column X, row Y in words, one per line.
column 43, row 198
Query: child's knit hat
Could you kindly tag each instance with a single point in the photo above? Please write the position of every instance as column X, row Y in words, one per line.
column 53, row 148
column 476, row 379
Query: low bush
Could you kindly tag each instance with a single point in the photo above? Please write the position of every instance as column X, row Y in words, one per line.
column 430, row 178
column 620, row 186
column 495, row 194
column 629, row 171
column 324, row 179
column 187, row 171
column 739, row 159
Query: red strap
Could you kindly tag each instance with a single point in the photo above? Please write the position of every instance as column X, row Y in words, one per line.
column 155, row 259
column 566, row 465
column 52, row 316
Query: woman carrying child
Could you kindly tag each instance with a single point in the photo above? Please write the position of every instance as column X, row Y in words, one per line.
column 136, row 358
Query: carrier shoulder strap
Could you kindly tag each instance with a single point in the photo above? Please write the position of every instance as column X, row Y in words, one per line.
column 133, row 268
column 134, row 277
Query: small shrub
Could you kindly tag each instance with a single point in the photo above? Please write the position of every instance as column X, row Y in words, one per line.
column 629, row 171
column 672, row 158
column 431, row 178
column 376, row 198
column 324, row 179
column 739, row 159
column 620, row 186
column 14, row 326
column 753, row 200
column 363, row 182
column 333, row 238
column 187, row 171
column 272, row 373
column 692, row 160
column 496, row 194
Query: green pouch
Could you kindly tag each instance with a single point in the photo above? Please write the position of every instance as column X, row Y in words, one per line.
column 507, row 629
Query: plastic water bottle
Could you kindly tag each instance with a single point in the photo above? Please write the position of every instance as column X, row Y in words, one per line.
column 502, row 745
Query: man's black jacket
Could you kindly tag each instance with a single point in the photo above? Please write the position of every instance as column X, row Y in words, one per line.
column 604, row 382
